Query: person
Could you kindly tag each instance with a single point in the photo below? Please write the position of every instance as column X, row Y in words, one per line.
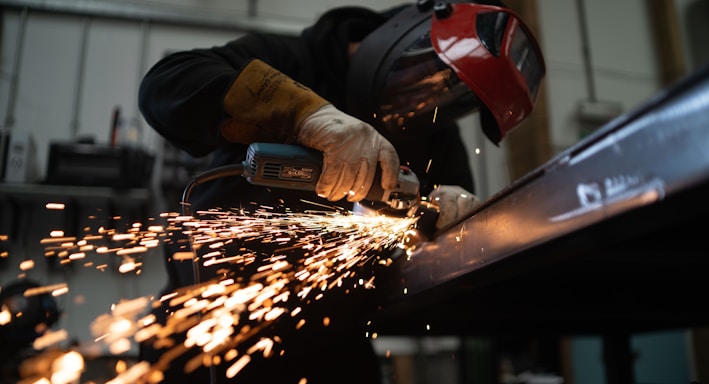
column 369, row 89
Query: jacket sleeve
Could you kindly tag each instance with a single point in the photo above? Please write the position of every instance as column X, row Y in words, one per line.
column 182, row 95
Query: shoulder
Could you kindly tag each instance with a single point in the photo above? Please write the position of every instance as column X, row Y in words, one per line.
column 257, row 44
column 279, row 51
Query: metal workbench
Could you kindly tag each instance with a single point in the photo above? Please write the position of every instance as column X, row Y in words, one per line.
column 609, row 237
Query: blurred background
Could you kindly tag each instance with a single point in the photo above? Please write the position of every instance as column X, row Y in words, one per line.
column 70, row 71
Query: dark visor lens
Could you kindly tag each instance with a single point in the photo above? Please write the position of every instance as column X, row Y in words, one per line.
column 491, row 27
column 526, row 60
column 420, row 87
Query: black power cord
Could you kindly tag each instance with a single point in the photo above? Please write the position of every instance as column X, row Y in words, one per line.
column 207, row 176
column 201, row 178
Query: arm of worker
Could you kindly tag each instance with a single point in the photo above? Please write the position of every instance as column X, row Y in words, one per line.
column 454, row 203
column 200, row 100
column 182, row 94
column 265, row 104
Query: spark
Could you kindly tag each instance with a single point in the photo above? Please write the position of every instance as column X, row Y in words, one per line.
column 67, row 368
column 293, row 259
column 58, row 240
column 183, row 256
column 26, row 265
column 62, row 287
column 5, row 315
column 124, row 236
column 60, row 291
column 128, row 251
column 50, row 338
column 77, row 256
column 132, row 375
column 238, row 366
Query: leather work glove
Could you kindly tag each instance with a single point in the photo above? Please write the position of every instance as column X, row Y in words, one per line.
column 351, row 151
column 265, row 105
column 453, row 203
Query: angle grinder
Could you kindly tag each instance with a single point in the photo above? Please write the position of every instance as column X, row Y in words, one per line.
column 297, row 167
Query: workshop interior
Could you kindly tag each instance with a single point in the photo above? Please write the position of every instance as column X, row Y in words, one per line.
column 585, row 263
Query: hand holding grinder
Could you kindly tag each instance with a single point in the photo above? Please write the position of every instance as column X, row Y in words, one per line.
column 297, row 167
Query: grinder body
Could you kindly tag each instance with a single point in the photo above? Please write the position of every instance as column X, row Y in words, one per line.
column 297, row 167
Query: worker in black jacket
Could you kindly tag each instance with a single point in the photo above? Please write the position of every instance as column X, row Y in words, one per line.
column 367, row 89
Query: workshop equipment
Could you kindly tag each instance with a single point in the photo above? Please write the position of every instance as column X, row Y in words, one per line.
column 91, row 164
column 21, row 158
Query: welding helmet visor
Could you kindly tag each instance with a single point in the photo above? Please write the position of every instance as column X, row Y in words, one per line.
column 429, row 65
column 420, row 88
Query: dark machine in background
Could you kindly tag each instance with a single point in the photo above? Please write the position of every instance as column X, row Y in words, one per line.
column 90, row 164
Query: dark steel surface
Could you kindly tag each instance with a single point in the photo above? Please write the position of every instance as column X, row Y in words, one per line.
column 609, row 235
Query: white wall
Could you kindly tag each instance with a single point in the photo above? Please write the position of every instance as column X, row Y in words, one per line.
column 49, row 83
column 622, row 53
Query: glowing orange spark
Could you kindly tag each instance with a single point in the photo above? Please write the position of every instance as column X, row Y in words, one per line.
column 223, row 316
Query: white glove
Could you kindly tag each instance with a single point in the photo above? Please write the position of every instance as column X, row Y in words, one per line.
column 351, row 150
column 453, row 203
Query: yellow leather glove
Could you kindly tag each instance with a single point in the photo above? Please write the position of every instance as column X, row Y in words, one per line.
column 265, row 105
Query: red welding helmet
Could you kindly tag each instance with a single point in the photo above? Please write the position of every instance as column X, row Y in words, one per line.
column 436, row 62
